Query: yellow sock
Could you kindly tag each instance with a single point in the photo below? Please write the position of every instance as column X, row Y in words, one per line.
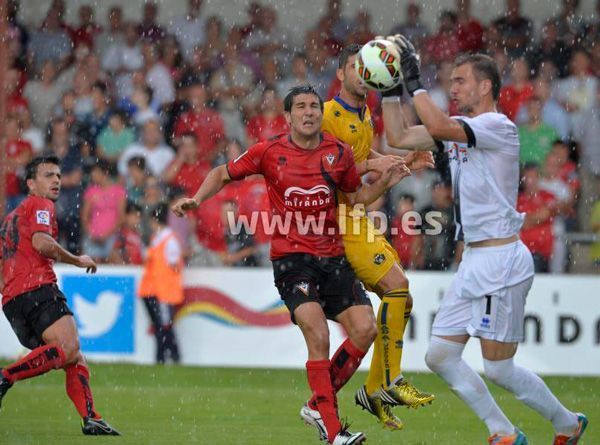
column 375, row 376
column 391, row 326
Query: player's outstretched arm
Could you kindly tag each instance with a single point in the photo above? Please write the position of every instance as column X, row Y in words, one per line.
column 47, row 246
column 368, row 193
column 216, row 179
column 440, row 126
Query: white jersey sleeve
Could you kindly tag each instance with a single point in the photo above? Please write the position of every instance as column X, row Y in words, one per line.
column 491, row 131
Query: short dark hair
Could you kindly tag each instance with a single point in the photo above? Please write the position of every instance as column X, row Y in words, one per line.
column 484, row 67
column 103, row 165
column 346, row 53
column 137, row 161
column 160, row 213
column 132, row 207
column 32, row 168
column 296, row 91
column 407, row 197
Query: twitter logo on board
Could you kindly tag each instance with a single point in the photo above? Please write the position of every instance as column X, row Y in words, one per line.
column 103, row 307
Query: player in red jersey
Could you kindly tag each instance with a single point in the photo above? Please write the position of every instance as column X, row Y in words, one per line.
column 36, row 309
column 303, row 169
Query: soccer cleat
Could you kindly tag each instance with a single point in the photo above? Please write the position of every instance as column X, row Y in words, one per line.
column 345, row 437
column 514, row 439
column 5, row 385
column 561, row 439
column 312, row 417
column 404, row 393
column 375, row 406
column 97, row 427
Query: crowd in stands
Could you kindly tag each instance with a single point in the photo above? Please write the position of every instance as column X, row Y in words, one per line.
column 139, row 112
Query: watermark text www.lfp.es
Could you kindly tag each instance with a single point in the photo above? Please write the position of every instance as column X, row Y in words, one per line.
column 350, row 222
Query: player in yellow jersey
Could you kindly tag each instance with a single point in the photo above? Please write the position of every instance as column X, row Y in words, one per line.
column 373, row 259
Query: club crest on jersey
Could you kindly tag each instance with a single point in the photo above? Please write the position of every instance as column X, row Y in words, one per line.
column 485, row 323
column 379, row 258
column 330, row 158
column 303, row 287
column 42, row 217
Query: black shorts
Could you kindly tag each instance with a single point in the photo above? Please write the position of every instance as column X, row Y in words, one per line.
column 331, row 282
column 31, row 313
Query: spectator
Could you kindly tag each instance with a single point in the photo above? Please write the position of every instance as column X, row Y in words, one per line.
column 438, row 228
column 87, row 31
column 15, row 102
column 444, row 44
column 535, row 136
column 587, row 132
column 154, row 195
column 339, row 27
column 551, row 47
column 43, row 94
column 128, row 247
column 268, row 39
column 298, row 75
column 114, row 35
column 240, row 245
column 204, row 122
column 102, row 213
column 18, row 154
column 570, row 25
column 187, row 171
column 50, row 43
column 31, row 134
column 215, row 44
column 406, row 236
column 360, row 30
column 440, row 94
column 189, row 29
column 121, row 59
column 68, row 205
column 97, row 120
column 516, row 30
column 149, row 29
column 115, row 138
column 200, row 68
column 19, row 31
column 161, row 286
column 418, row 186
column 553, row 114
column 230, row 85
column 540, row 207
column 470, row 31
column 136, row 179
column 171, row 58
column 413, row 29
column 142, row 100
column 151, row 147
column 270, row 121
column 517, row 91
column 158, row 76
column 577, row 92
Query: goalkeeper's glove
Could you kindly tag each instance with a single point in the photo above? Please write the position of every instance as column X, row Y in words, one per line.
column 409, row 63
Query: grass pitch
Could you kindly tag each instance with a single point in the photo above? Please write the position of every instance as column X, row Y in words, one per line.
column 184, row 405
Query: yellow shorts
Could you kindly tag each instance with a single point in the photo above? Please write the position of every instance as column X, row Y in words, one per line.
column 369, row 253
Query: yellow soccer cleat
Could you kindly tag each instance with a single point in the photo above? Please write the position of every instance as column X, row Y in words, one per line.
column 404, row 393
column 383, row 412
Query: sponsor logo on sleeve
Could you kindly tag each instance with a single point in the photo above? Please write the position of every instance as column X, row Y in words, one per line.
column 42, row 217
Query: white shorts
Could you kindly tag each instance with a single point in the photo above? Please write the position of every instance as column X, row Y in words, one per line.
column 493, row 313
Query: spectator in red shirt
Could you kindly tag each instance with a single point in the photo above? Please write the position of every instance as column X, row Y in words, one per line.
column 129, row 247
column 518, row 91
column 470, row 31
column 540, row 207
column 15, row 102
column 187, row 170
column 405, row 233
column 18, row 154
column 270, row 121
column 444, row 45
column 204, row 122
column 87, row 30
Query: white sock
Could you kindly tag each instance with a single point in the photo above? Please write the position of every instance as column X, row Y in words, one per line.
column 444, row 358
column 531, row 390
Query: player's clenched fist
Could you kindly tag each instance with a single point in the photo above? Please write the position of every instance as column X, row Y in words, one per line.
column 183, row 205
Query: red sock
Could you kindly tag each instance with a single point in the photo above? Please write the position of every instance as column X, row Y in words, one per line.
column 319, row 380
column 39, row 361
column 79, row 391
column 344, row 364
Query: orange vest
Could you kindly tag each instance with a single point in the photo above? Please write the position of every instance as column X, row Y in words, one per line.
column 160, row 279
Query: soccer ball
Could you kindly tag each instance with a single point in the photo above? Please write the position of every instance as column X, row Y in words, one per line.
column 378, row 65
